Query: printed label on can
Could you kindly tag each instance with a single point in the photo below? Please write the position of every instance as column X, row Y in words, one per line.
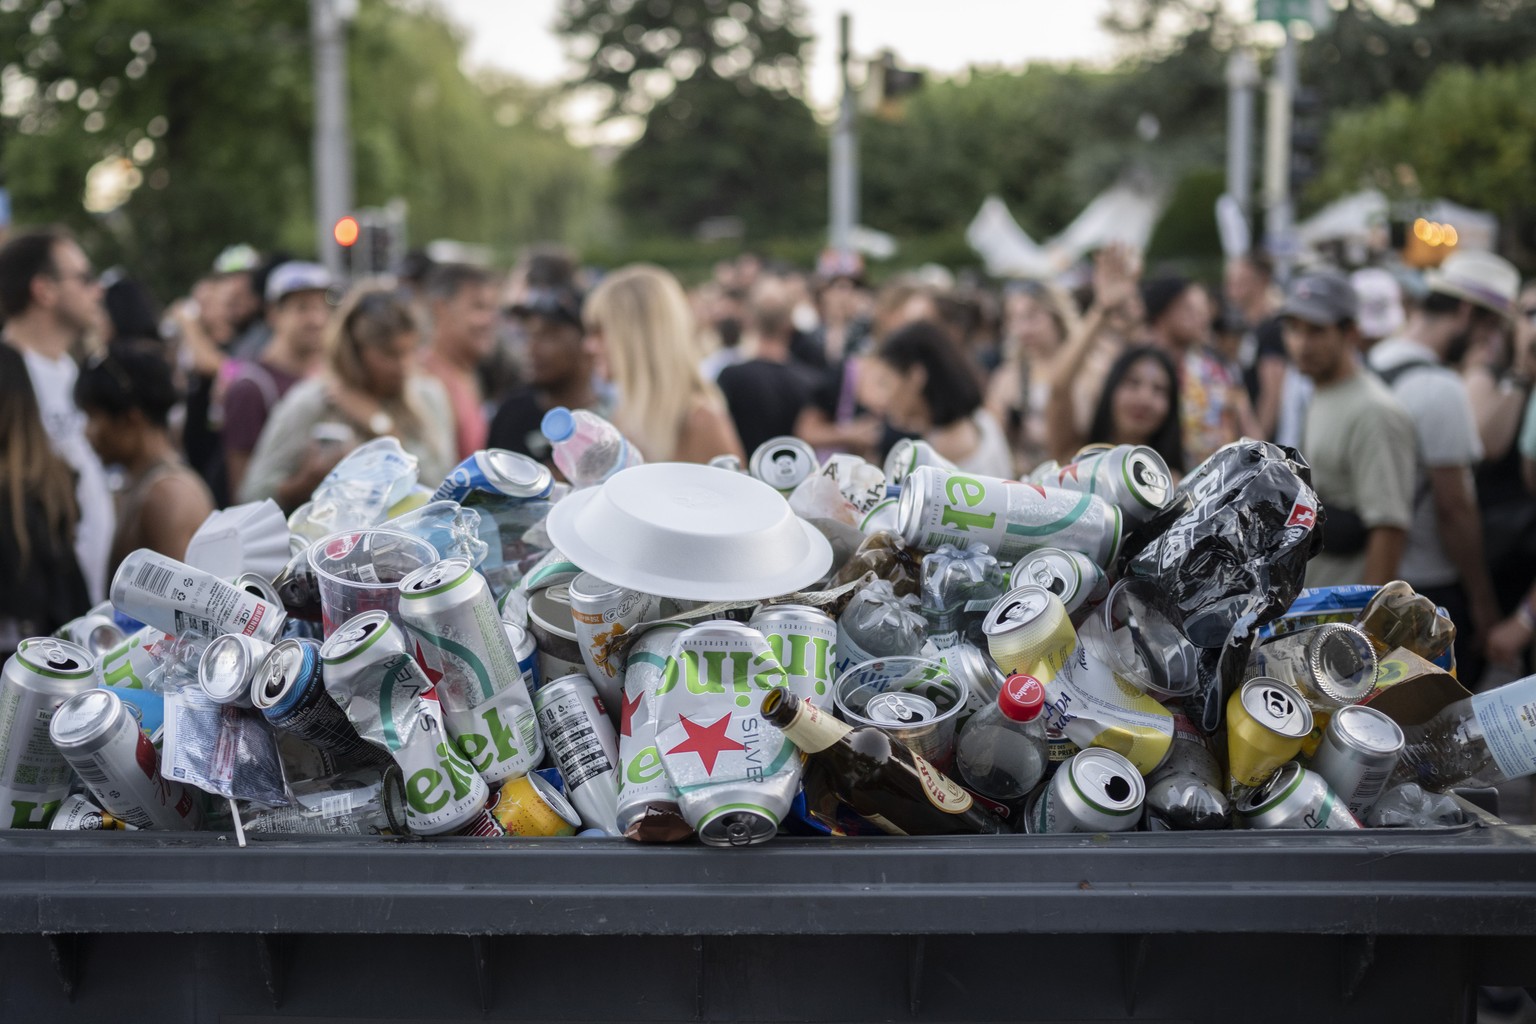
column 573, row 740
column 1508, row 719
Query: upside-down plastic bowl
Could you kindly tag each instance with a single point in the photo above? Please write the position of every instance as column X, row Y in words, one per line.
column 687, row 531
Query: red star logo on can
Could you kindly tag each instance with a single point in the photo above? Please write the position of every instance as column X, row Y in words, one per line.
column 708, row 741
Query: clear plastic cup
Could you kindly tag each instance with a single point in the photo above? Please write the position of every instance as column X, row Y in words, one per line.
column 360, row 570
column 913, row 699
column 1136, row 634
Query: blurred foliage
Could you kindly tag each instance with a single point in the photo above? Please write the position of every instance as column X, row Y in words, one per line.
column 212, row 105
column 637, row 51
column 1470, row 137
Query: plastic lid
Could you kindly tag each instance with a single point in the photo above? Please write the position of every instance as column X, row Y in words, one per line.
column 558, row 424
column 1021, row 698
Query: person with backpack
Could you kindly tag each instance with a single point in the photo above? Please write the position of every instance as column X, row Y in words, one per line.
column 298, row 311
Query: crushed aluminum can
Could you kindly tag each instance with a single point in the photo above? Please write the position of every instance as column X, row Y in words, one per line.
column 648, row 810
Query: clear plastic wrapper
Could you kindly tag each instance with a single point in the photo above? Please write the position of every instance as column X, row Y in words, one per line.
column 359, row 492
column 221, row 749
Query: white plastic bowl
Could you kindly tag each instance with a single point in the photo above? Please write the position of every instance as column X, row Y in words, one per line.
column 688, row 531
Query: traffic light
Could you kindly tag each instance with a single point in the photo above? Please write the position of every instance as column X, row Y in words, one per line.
column 1307, row 122
column 888, row 85
column 347, row 231
column 369, row 240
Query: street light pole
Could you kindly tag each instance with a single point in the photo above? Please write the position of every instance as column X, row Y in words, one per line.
column 1279, row 212
column 1242, row 79
column 843, row 193
column 333, row 139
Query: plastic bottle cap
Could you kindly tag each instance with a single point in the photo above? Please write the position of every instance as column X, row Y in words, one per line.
column 1021, row 698
column 558, row 424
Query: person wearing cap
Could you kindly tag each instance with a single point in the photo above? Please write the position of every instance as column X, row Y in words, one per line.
column 1470, row 298
column 1357, row 438
column 298, row 309
column 558, row 367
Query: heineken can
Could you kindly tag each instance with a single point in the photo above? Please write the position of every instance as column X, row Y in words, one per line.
column 1295, row 798
column 174, row 597
column 804, row 639
column 553, row 626
column 736, row 774
column 228, row 668
column 78, row 814
column 1096, row 791
column 370, row 673
column 1133, row 478
column 601, row 612
column 1266, row 723
column 34, row 777
column 1029, row 633
column 530, row 807
column 1359, row 752
column 449, row 610
column 1070, row 575
column 290, row 694
column 583, row 746
column 369, row 802
column 783, row 463
column 499, row 472
column 105, row 746
column 648, row 811
column 1011, row 519
column 885, row 517
column 132, row 663
column 98, row 634
column 907, row 454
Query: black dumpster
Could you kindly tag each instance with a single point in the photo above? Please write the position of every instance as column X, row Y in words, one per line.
column 1215, row 927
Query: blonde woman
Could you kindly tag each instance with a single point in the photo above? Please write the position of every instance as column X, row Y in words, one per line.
column 641, row 333
column 370, row 388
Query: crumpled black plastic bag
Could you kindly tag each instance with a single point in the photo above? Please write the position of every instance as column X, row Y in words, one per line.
column 1231, row 550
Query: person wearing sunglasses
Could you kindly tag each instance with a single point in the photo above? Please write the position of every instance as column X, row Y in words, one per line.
column 51, row 304
column 127, row 394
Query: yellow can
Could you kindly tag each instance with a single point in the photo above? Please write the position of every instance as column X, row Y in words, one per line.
column 1267, row 720
column 1029, row 633
column 530, row 806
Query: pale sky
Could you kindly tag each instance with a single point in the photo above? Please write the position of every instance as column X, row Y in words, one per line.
column 942, row 36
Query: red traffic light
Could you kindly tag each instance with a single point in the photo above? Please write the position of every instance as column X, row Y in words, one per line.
column 346, row 232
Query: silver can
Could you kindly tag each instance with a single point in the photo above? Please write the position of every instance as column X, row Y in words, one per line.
column 783, row 462
column 601, row 612
column 1010, row 518
column 554, row 632
column 1133, row 478
column 78, row 814
column 449, row 610
column 105, row 746
column 907, row 454
column 96, row 633
column 804, row 639
column 228, row 668
column 290, row 693
column 1070, row 575
column 1295, row 798
column 369, row 672
column 36, row 681
column 648, row 811
column 174, row 597
column 1096, row 791
column 729, row 463
column 259, row 586
column 584, row 747
column 1359, row 752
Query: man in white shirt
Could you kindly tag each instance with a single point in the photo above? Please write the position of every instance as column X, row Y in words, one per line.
column 51, row 300
column 1470, row 296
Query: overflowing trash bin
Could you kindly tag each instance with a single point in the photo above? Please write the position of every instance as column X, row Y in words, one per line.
column 893, row 726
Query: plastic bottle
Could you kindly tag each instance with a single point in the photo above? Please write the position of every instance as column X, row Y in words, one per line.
column 1483, row 740
column 587, row 448
column 1001, row 753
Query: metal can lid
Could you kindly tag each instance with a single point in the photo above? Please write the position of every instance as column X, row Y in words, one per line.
column 902, row 709
column 738, row 828
column 1277, row 706
column 587, row 587
column 1054, row 570
column 259, row 585
column 56, row 659
column 554, row 799
column 1367, row 729
column 558, row 686
column 782, row 462
column 1275, row 789
column 1107, row 781
column 225, row 669
column 354, row 635
column 277, row 673
column 1019, row 607
column 768, row 614
column 1343, row 662
column 515, row 475
column 435, row 578
column 1147, row 477
column 84, row 717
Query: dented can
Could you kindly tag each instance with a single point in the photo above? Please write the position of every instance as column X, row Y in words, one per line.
column 1295, row 798
column 105, row 746
column 583, row 745
column 648, row 810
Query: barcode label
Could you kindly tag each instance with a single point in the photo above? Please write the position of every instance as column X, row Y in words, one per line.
column 91, row 773
column 154, row 578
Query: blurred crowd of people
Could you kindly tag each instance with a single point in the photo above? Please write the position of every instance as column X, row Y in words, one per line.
column 122, row 426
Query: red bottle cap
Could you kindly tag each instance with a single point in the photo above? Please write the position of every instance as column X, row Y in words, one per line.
column 1021, row 698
